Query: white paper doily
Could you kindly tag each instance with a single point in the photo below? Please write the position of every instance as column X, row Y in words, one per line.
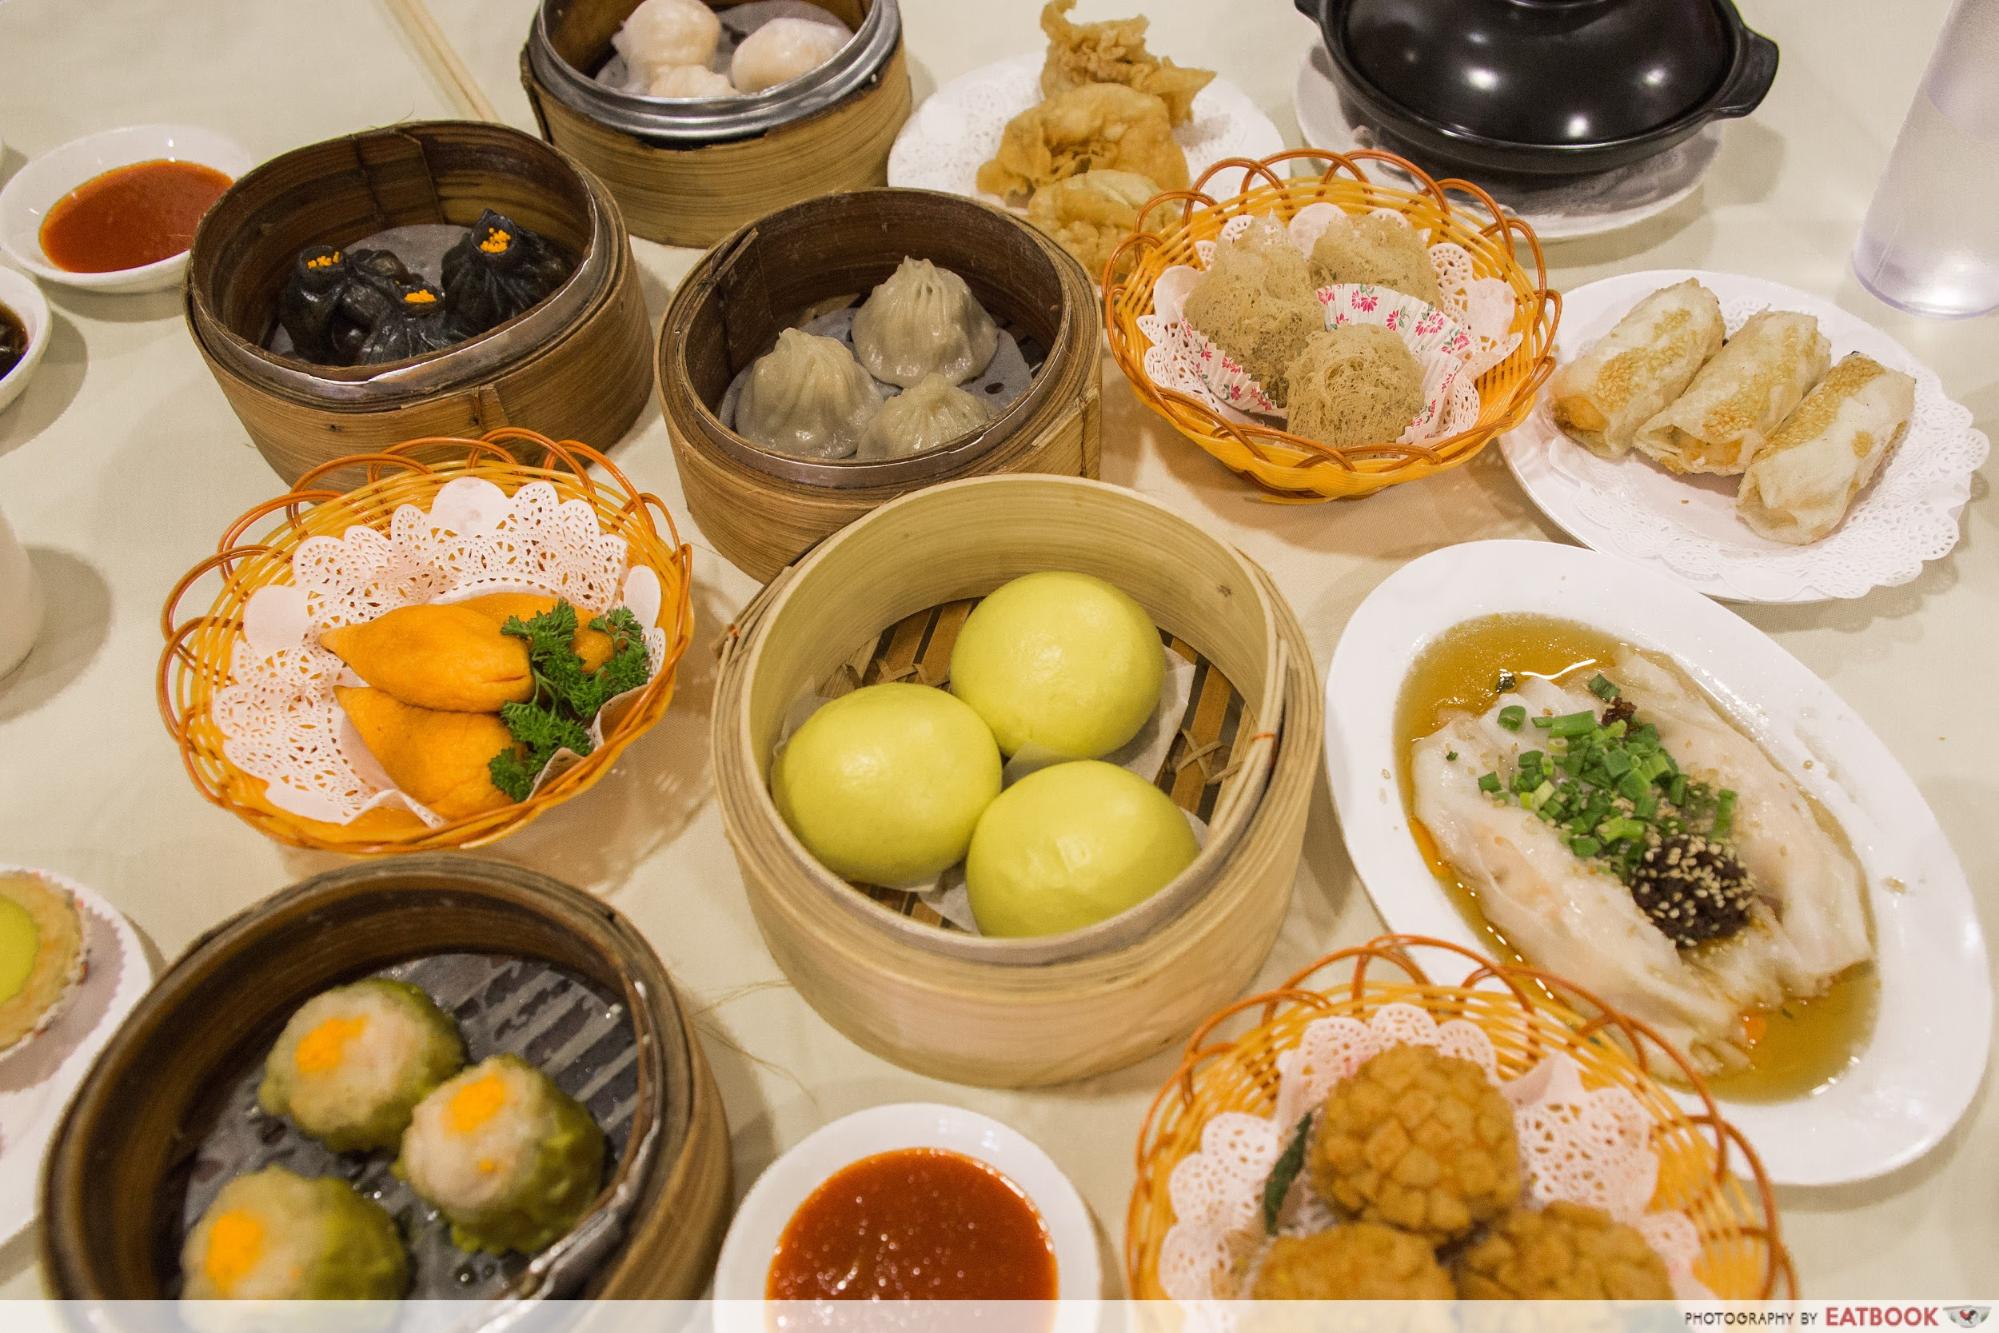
column 1482, row 307
column 1577, row 1145
column 38, row 1078
column 1688, row 526
column 278, row 715
column 1592, row 205
column 958, row 127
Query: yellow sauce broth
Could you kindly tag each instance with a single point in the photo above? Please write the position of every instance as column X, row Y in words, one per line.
column 1796, row 1049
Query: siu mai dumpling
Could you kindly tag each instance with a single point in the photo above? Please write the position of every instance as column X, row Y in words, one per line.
column 922, row 417
column 807, row 397
column 1799, row 487
column 923, row 320
column 1739, row 397
column 1632, row 373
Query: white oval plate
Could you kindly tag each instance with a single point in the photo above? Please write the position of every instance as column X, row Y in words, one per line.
column 1688, row 525
column 38, row 1077
column 1926, row 1055
column 744, row 1266
column 1592, row 205
column 37, row 187
column 958, row 128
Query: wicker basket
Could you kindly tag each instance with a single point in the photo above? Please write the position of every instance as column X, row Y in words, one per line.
column 257, row 548
column 577, row 361
column 1291, row 465
column 763, row 510
column 118, row 1169
column 1706, row 1168
column 1019, row 1012
column 681, row 189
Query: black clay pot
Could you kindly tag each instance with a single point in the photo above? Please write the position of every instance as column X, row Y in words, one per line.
column 1542, row 87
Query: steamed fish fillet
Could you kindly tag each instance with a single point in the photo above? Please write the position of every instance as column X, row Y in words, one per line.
column 1576, row 919
column 1560, row 912
column 1815, row 886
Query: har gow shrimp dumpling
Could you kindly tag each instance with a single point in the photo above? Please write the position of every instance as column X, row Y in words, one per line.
column 353, row 1061
column 661, row 34
column 689, row 81
column 807, row 397
column 783, row 49
column 922, row 417
column 923, row 320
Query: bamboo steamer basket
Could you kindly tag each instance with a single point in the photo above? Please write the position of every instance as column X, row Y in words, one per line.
column 1501, row 246
column 118, row 1168
column 762, row 510
column 1707, row 1170
column 1021, row 1012
column 689, row 171
column 575, row 364
column 257, row 549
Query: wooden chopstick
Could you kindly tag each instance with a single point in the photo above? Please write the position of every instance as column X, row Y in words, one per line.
column 436, row 52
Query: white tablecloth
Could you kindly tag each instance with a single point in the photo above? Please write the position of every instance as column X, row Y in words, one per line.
column 122, row 462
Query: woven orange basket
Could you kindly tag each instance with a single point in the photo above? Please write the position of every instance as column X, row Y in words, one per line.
column 257, row 549
column 1500, row 245
column 1707, row 1170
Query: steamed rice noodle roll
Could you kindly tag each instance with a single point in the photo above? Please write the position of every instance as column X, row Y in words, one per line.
column 274, row 1235
column 353, row 1062
column 510, row 1159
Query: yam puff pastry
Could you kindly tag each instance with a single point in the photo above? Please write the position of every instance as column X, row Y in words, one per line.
column 1632, row 373
column 1737, row 399
column 1800, row 486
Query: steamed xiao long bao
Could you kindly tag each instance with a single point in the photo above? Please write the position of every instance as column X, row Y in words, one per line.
column 807, row 397
column 923, row 416
column 1800, row 485
column 1635, row 371
column 1757, row 378
column 923, row 320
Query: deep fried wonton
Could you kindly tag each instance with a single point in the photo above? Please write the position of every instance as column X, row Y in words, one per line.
column 1114, row 52
column 1094, row 127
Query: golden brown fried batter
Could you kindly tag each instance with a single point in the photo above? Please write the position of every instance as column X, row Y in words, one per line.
column 1564, row 1252
column 1114, row 52
column 1094, row 127
column 1357, row 1262
column 1417, row 1140
column 1092, row 213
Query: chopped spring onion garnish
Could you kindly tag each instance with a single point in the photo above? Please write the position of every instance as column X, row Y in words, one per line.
column 1512, row 716
column 1601, row 687
column 1490, row 783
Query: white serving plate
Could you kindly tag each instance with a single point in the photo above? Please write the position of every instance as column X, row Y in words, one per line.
column 37, row 187
column 958, row 127
column 1927, row 1053
column 38, row 1077
column 19, row 294
column 1688, row 525
column 1592, row 205
column 744, row 1266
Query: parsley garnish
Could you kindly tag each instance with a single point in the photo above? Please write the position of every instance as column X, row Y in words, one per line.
column 1285, row 1170
column 566, row 696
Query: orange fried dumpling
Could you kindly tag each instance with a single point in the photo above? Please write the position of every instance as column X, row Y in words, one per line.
column 443, row 657
column 1114, row 52
column 592, row 645
column 436, row 758
column 1092, row 127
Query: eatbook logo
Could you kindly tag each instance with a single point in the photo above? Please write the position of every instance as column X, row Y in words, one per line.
column 1968, row 1316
